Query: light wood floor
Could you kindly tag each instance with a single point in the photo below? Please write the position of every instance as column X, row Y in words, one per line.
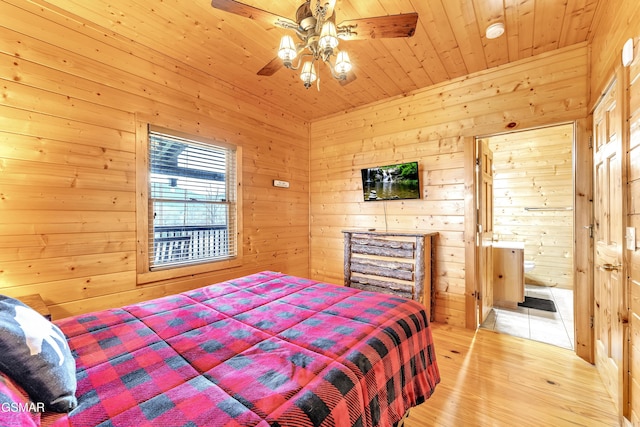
column 492, row 379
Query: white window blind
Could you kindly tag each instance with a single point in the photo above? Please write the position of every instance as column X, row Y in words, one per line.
column 192, row 201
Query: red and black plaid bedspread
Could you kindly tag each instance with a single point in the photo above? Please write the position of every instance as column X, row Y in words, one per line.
column 262, row 350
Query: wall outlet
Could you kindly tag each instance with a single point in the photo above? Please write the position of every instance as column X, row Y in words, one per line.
column 281, row 184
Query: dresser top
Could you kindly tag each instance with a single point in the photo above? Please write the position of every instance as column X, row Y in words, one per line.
column 391, row 233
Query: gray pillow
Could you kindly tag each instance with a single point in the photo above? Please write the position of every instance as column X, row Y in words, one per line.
column 35, row 354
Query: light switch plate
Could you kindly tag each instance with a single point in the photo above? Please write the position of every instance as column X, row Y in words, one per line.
column 631, row 238
column 281, row 184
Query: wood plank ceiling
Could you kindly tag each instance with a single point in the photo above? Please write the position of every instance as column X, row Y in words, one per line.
column 449, row 42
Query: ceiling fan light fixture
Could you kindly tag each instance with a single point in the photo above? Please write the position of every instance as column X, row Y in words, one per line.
column 328, row 37
column 495, row 30
column 308, row 74
column 315, row 26
column 287, row 51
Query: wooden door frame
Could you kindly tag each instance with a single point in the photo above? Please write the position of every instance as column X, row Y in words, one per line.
column 473, row 281
column 583, row 214
column 471, row 277
column 583, row 239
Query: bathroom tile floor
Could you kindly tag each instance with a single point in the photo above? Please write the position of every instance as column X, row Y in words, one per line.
column 552, row 328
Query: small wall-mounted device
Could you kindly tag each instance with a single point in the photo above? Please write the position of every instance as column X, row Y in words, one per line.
column 627, row 53
column 631, row 238
column 281, row 184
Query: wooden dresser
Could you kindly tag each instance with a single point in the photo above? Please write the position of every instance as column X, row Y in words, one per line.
column 394, row 263
column 36, row 302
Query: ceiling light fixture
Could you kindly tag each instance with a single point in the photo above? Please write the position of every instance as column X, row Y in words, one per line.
column 318, row 42
column 495, row 30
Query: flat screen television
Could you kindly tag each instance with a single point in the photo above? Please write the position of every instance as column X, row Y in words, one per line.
column 391, row 182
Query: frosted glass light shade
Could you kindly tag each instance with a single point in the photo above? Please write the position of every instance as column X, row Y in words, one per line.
column 328, row 36
column 287, row 51
column 343, row 63
column 308, row 74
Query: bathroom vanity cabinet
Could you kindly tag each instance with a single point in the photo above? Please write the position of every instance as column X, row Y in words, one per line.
column 508, row 274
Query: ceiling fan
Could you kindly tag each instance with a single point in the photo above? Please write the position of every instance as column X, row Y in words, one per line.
column 318, row 34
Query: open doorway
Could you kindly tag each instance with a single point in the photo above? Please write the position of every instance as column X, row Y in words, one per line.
column 533, row 220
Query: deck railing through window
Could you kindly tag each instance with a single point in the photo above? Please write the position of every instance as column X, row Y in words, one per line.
column 184, row 244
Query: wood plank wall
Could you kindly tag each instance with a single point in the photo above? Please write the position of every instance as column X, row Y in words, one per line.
column 431, row 126
column 534, row 170
column 70, row 95
column 615, row 22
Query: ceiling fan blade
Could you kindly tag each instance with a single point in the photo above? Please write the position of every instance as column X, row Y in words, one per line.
column 270, row 69
column 251, row 12
column 379, row 27
column 350, row 77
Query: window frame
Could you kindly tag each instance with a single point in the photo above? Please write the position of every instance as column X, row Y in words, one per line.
column 144, row 274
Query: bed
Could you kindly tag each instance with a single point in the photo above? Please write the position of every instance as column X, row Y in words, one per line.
column 266, row 349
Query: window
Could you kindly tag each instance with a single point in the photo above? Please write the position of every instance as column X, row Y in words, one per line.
column 192, row 212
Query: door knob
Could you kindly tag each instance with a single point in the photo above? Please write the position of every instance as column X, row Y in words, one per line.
column 611, row 267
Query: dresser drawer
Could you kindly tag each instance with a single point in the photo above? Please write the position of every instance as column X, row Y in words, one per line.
column 391, row 288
